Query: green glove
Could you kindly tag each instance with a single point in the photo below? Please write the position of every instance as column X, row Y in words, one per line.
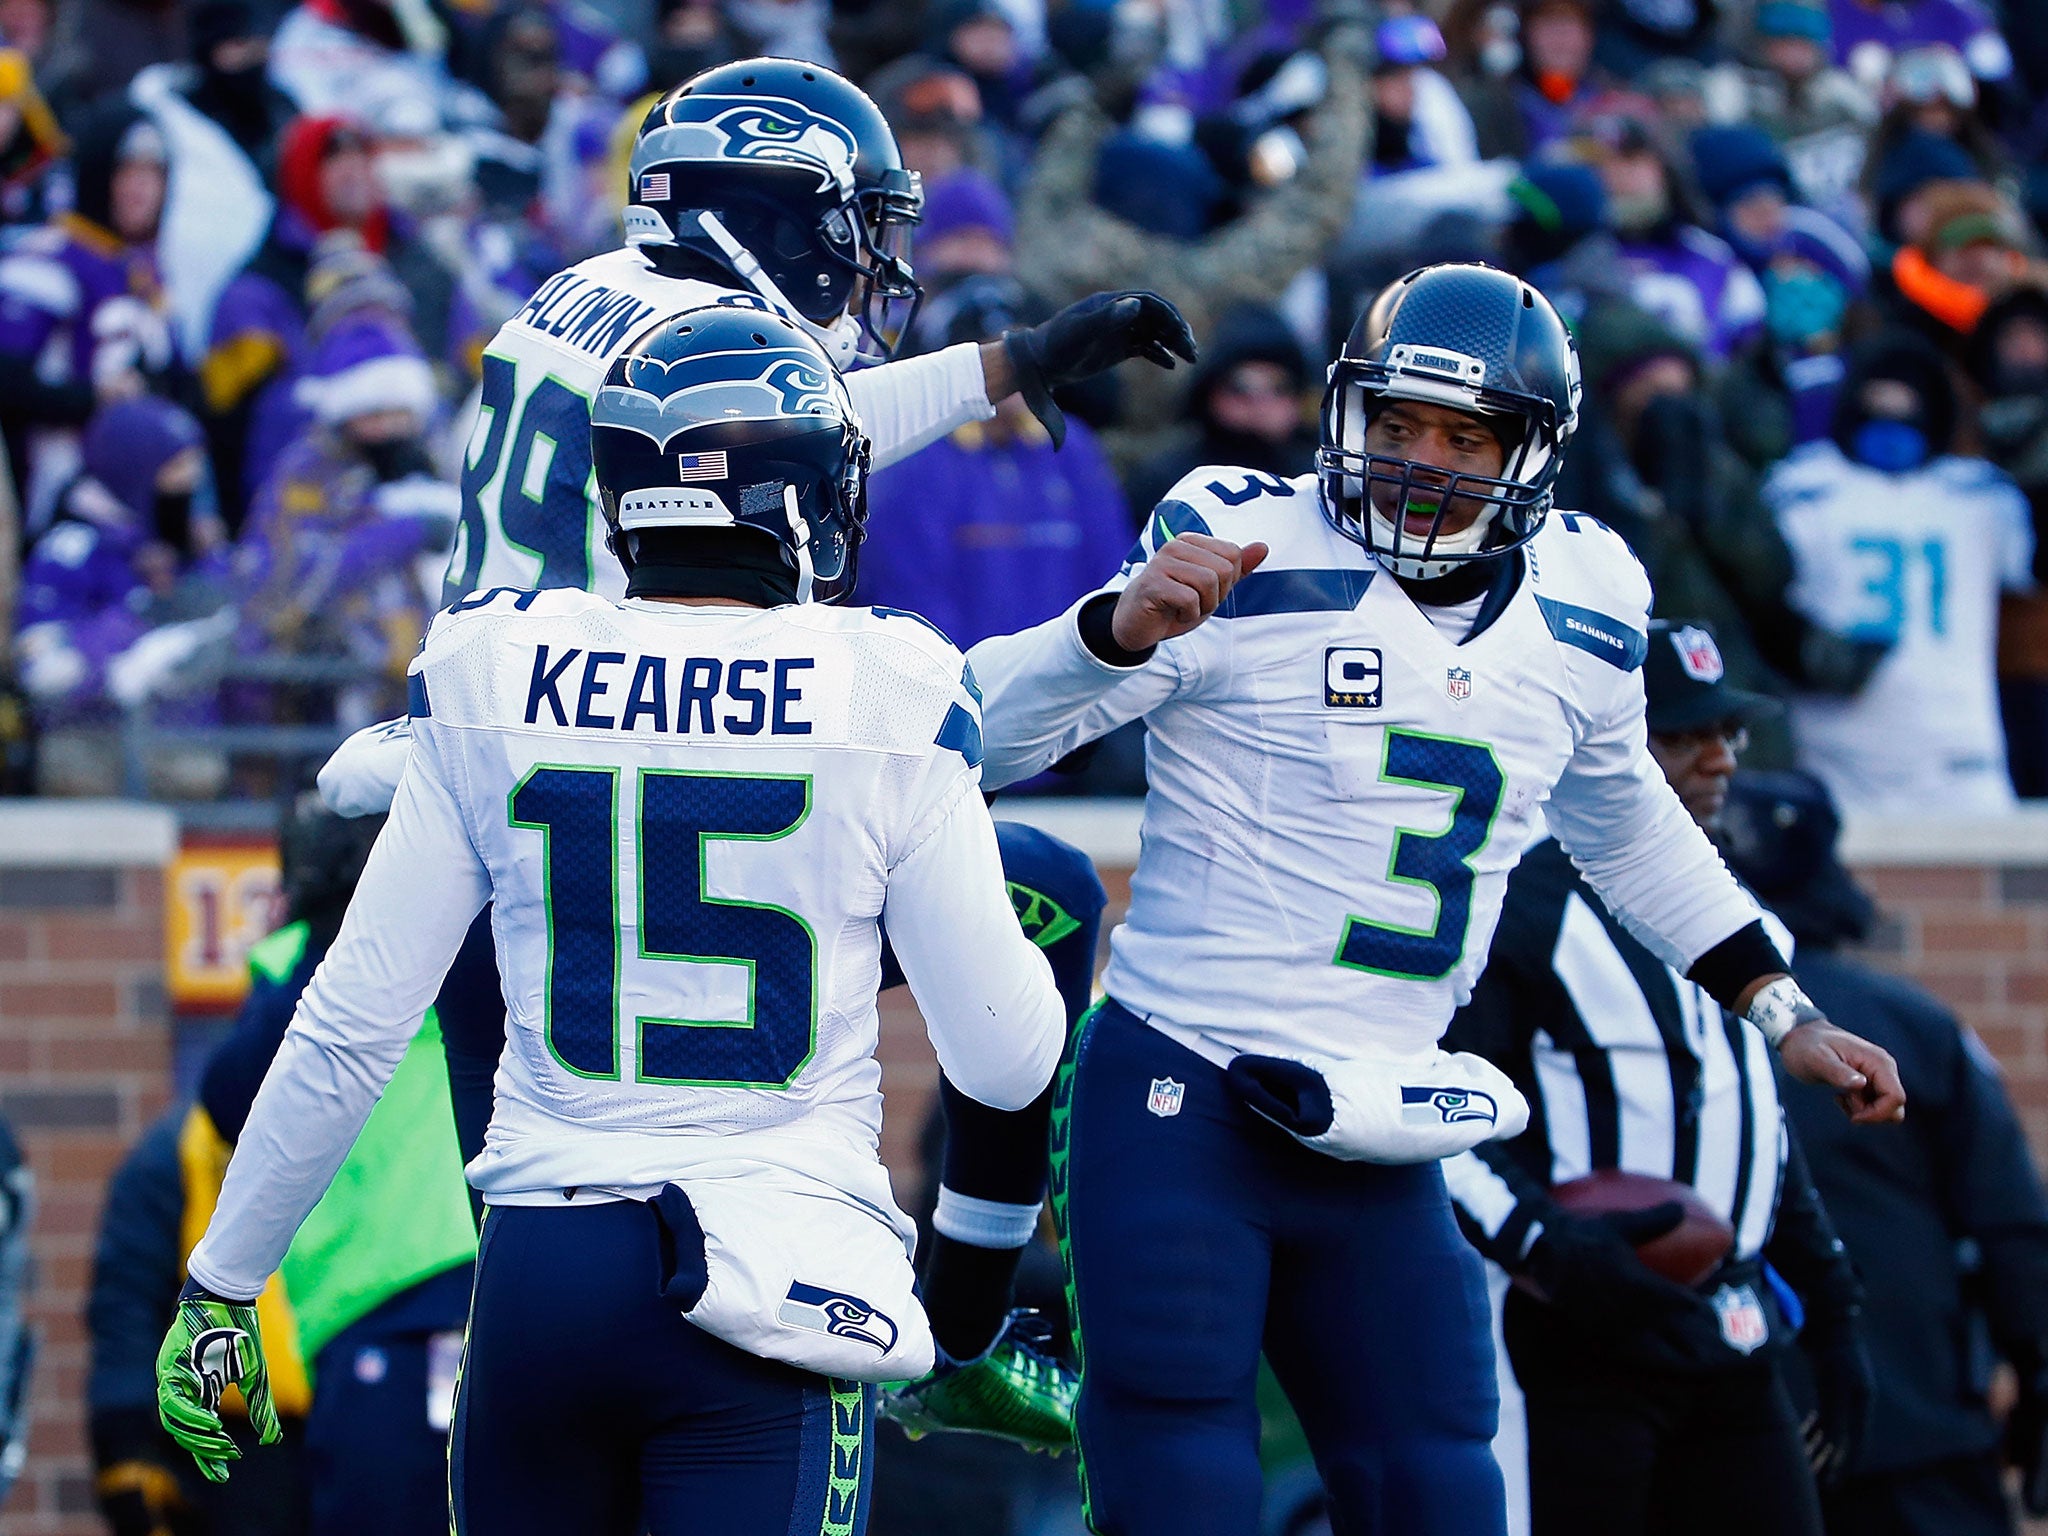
column 212, row 1346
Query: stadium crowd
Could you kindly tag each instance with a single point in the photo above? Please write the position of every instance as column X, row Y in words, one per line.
column 251, row 256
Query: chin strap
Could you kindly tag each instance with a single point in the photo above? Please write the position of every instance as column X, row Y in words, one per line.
column 800, row 544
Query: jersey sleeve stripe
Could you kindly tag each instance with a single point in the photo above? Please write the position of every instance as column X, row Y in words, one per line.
column 1168, row 519
column 416, row 704
column 1298, row 591
column 961, row 732
column 1612, row 641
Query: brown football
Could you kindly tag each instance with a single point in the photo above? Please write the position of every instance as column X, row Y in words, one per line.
column 1688, row 1253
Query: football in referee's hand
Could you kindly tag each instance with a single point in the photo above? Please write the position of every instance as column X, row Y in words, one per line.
column 1688, row 1253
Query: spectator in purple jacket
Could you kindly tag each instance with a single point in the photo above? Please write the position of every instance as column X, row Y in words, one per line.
column 1869, row 34
column 1688, row 278
column 989, row 530
column 82, row 313
column 134, row 548
column 328, row 562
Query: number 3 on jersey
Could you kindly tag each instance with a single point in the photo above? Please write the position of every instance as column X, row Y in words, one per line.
column 680, row 814
column 1439, row 862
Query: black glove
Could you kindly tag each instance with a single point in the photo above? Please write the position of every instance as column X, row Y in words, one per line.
column 2026, row 1431
column 1844, row 1386
column 1085, row 338
column 1586, row 1267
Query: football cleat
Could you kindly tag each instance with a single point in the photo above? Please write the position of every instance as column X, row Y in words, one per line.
column 1017, row 1391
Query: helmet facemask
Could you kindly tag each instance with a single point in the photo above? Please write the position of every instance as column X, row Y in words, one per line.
column 1371, row 496
column 886, row 293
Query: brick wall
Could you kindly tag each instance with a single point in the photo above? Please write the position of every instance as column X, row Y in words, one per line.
column 84, row 1066
column 1978, row 939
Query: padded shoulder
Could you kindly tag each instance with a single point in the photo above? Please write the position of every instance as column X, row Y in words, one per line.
column 1591, row 589
column 922, row 638
column 1243, row 506
column 459, row 623
column 1806, row 468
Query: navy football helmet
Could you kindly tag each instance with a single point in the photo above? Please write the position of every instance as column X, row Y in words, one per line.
column 788, row 178
column 1475, row 339
column 726, row 417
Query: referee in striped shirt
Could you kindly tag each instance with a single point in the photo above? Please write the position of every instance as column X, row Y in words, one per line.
column 1651, row 1407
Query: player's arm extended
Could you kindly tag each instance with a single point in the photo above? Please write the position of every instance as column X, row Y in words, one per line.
column 420, row 890
column 911, row 404
column 997, row 1022
column 1061, row 684
column 1045, row 691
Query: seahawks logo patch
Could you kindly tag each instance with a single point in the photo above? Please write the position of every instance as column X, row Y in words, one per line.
column 218, row 1362
column 836, row 1313
column 1446, row 1106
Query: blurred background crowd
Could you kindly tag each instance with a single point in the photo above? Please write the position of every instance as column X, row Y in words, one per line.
column 250, row 256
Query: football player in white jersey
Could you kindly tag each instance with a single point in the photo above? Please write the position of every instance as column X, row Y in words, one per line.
column 769, row 184
column 775, row 186
column 1346, row 761
column 690, row 810
column 1898, row 539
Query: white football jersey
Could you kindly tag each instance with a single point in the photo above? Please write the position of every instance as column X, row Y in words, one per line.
column 690, row 822
column 1338, row 791
column 530, row 514
column 1918, row 561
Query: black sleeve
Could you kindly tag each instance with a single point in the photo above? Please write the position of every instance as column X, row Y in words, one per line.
column 1094, row 620
column 1805, row 1249
column 1726, row 970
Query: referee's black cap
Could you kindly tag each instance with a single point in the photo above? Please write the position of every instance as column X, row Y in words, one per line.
column 1687, row 682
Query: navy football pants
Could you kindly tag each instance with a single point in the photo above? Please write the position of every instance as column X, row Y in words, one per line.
column 1199, row 1237
column 990, row 1154
column 589, row 1406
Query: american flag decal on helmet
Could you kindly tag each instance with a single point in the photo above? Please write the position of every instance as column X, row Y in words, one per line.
column 700, row 466
column 654, row 187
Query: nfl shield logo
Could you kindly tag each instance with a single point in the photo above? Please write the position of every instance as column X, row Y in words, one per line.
column 1698, row 654
column 1458, row 683
column 1165, row 1098
column 1743, row 1324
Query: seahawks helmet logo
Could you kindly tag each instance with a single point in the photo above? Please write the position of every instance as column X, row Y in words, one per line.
column 659, row 399
column 836, row 1313
column 749, row 128
column 1447, row 1106
column 217, row 1361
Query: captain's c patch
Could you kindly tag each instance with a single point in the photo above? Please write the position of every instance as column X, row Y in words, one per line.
column 1351, row 677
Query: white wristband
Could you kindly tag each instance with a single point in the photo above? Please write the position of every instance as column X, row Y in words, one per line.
column 1781, row 1008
